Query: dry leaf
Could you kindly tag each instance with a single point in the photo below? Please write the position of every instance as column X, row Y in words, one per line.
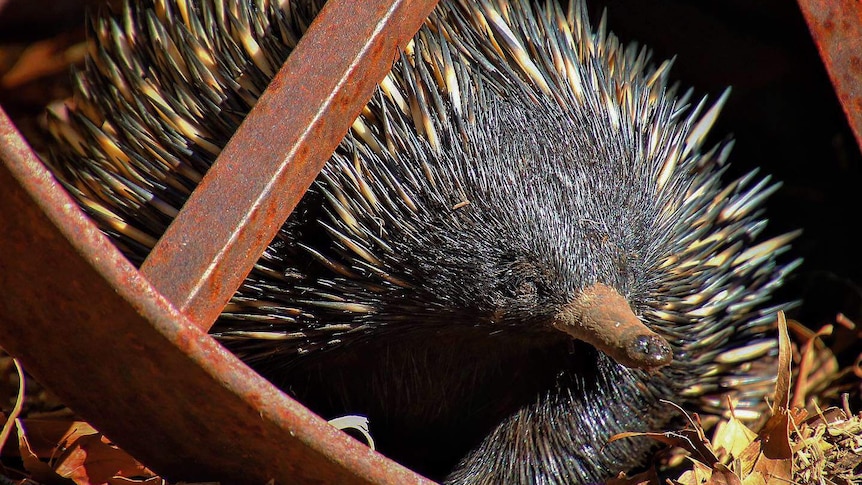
column 754, row 479
column 691, row 438
column 47, row 436
column 93, row 459
column 43, row 58
column 698, row 475
column 39, row 470
column 732, row 436
column 133, row 481
column 781, row 398
column 818, row 366
column 775, row 461
column 721, row 475
column 648, row 477
column 775, row 458
column 687, row 439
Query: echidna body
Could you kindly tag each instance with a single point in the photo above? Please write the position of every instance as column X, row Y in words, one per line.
column 514, row 165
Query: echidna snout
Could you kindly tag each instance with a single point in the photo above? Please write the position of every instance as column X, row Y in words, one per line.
column 521, row 249
column 602, row 317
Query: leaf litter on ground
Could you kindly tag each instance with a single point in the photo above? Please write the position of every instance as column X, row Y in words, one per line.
column 796, row 444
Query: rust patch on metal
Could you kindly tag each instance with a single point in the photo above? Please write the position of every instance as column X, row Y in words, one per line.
column 836, row 26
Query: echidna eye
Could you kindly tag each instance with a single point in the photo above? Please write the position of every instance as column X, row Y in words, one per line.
column 527, row 288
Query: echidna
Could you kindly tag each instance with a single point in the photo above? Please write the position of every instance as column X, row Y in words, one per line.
column 520, row 249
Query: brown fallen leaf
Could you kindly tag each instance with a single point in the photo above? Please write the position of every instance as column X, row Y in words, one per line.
column 698, row 475
column 43, row 58
column 648, row 477
column 134, row 481
column 781, row 397
column 38, row 469
column 721, row 475
column 818, row 366
column 774, row 460
column 93, row 459
column 692, row 438
column 732, row 437
column 48, row 437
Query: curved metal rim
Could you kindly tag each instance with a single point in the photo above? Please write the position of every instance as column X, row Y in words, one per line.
column 100, row 336
column 91, row 328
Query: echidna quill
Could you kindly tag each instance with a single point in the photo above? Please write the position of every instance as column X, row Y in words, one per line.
column 520, row 249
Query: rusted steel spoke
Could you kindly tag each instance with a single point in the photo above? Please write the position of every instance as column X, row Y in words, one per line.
column 836, row 26
column 88, row 326
column 278, row 151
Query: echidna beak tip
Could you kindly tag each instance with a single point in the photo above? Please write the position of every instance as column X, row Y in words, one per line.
column 650, row 351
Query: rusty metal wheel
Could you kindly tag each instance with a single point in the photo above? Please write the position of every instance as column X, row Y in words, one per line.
column 170, row 394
